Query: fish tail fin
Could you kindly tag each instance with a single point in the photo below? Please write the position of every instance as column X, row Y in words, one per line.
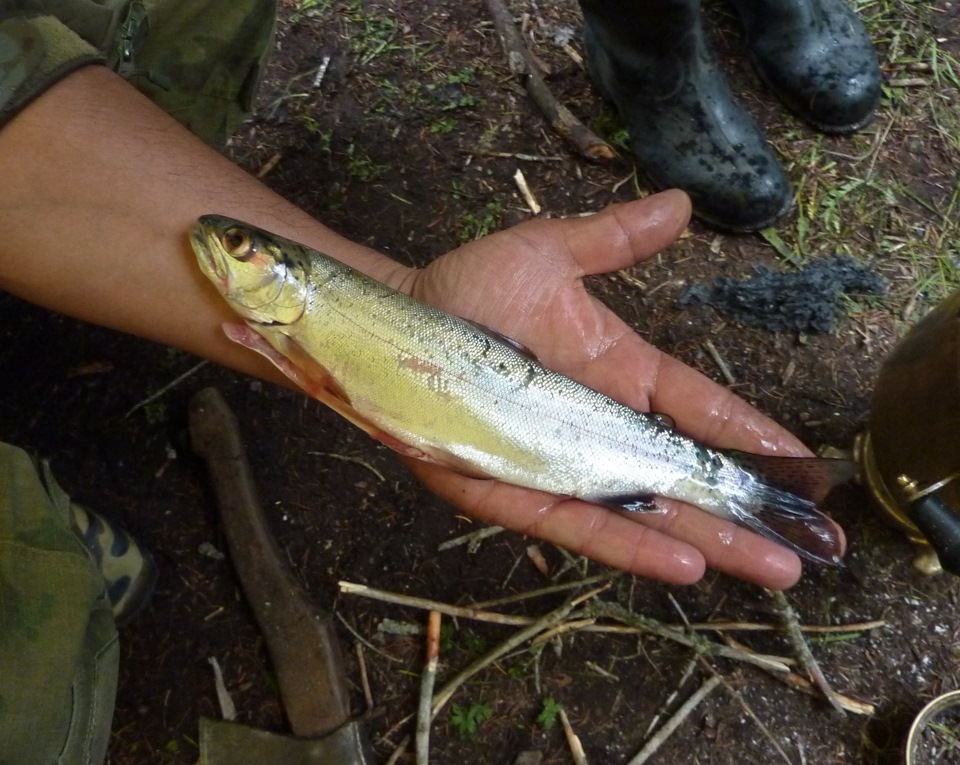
column 785, row 506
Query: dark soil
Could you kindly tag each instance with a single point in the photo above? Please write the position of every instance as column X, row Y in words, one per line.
column 409, row 144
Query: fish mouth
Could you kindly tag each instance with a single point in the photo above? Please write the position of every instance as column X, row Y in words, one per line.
column 208, row 260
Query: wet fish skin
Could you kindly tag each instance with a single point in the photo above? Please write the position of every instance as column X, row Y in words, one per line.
column 437, row 387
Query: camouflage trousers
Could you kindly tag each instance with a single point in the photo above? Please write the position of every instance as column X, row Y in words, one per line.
column 58, row 641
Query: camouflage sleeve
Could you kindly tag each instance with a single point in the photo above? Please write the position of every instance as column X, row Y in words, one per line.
column 36, row 50
column 201, row 61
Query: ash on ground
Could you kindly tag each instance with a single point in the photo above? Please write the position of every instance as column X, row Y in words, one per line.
column 806, row 301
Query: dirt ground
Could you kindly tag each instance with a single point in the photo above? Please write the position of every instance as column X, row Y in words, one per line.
column 409, row 142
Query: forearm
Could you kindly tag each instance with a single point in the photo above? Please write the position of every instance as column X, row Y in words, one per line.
column 99, row 188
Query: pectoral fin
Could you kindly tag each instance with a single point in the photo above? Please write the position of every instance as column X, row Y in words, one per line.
column 316, row 381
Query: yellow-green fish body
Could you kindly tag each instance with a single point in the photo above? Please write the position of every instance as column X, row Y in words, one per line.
column 437, row 387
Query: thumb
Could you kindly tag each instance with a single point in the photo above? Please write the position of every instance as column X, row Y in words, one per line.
column 624, row 234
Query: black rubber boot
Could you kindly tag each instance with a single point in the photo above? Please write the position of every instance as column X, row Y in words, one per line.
column 652, row 60
column 816, row 57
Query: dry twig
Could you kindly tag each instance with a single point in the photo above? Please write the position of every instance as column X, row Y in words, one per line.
column 562, row 629
column 166, row 388
column 426, row 689
column 522, row 64
column 702, row 645
column 803, row 684
column 351, row 588
column 719, row 361
column 547, row 590
column 791, row 625
column 543, row 623
column 673, row 723
column 470, row 539
column 526, row 193
column 446, row 693
column 686, row 674
column 573, row 740
column 364, row 678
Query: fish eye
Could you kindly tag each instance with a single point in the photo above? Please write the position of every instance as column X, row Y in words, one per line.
column 238, row 243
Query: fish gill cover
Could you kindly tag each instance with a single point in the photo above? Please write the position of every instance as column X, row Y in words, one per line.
column 804, row 301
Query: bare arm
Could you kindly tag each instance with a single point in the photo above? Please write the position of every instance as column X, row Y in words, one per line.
column 95, row 220
column 98, row 188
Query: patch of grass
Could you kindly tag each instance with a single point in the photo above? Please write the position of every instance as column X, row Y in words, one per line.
column 442, row 125
column 361, row 167
column 608, row 126
column 322, row 133
column 309, row 9
column 370, row 34
column 466, row 720
column 482, row 222
column 449, row 90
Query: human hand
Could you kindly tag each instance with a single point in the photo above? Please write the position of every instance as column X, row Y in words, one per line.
column 526, row 282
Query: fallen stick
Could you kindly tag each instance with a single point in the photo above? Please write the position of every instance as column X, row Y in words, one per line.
column 546, row 590
column 351, row 588
column 668, row 702
column 474, row 537
column 719, row 361
column 477, row 613
column 791, row 625
column 573, row 740
column 803, row 684
column 364, row 678
column 426, row 689
column 525, row 192
column 561, row 629
column 701, row 645
column 363, row 640
column 522, row 64
column 820, row 629
column 543, row 623
column 673, row 723
column 446, row 693
column 166, row 388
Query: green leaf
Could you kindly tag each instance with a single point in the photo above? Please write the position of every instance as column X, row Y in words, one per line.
column 467, row 720
column 548, row 715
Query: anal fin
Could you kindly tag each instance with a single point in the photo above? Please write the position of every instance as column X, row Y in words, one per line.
column 634, row 503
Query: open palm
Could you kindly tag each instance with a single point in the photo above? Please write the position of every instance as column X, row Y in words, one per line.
column 526, row 282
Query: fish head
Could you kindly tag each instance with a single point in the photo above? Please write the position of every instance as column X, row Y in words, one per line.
column 262, row 280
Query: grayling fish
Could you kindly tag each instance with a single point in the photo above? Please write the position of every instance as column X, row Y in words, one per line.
column 436, row 387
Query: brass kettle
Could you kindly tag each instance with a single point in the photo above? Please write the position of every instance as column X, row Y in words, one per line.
column 910, row 453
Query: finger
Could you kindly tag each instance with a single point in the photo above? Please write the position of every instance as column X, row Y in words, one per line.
column 632, row 371
column 673, row 545
column 725, row 546
column 624, row 234
column 708, row 412
column 578, row 526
